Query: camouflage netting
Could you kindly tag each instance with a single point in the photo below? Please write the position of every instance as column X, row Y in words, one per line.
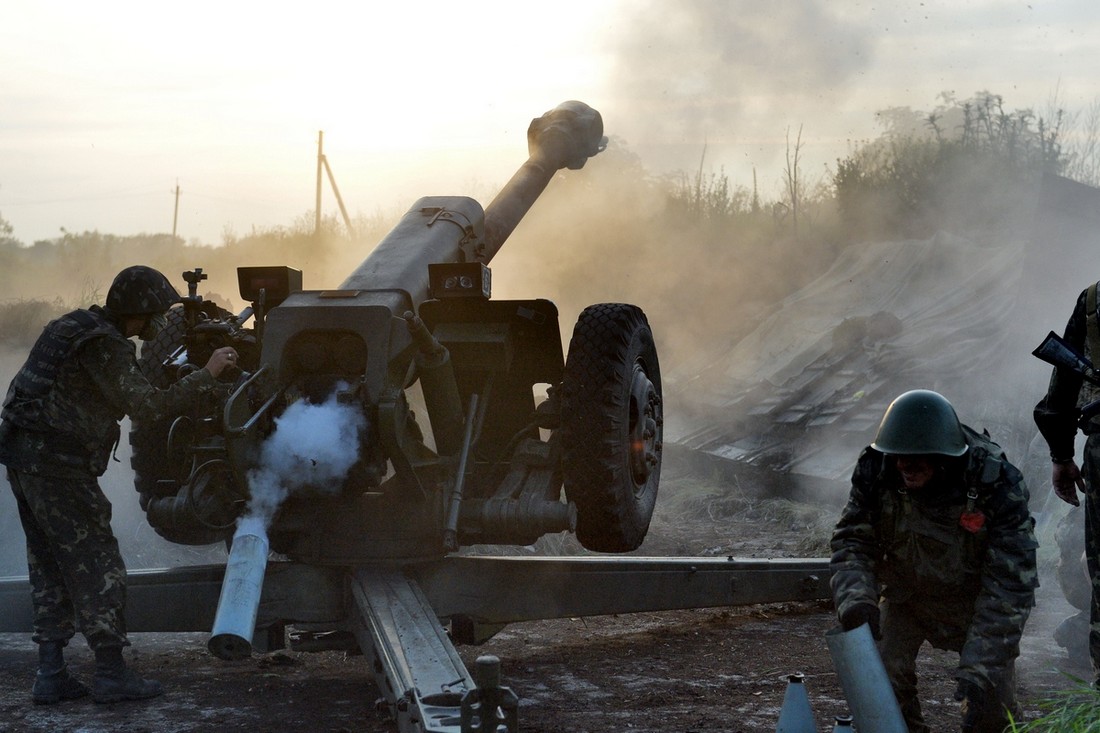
column 791, row 403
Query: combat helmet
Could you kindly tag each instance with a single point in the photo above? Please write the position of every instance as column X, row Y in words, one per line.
column 140, row 291
column 920, row 422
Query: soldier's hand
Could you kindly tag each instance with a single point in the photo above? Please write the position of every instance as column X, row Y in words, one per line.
column 972, row 697
column 1066, row 479
column 859, row 614
column 220, row 360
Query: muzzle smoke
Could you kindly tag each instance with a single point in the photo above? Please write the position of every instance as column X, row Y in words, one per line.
column 312, row 446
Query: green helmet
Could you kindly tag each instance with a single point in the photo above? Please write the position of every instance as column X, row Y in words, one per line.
column 920, row 422
column 141, row 291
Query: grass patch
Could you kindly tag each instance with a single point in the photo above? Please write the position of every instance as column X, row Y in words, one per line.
column 1076, row 710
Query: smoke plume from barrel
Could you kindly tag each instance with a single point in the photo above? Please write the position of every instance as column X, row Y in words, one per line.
column 312, row 445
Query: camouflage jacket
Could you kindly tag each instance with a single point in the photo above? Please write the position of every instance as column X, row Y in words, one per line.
column 971, row 579
column 62, row 409
column 1058, row 413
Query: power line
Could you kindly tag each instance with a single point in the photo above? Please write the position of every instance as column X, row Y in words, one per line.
column 124, row 194
column 193, row 191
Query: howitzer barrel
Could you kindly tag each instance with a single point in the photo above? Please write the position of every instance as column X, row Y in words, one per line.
column 565, row 137
column 445, row 229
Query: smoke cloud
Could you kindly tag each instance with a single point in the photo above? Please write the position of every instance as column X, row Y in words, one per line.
column 312, row 446
column 750, row 71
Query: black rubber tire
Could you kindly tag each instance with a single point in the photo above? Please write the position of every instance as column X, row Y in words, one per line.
column 153, row 353
column 149, row 440
column 612, row 426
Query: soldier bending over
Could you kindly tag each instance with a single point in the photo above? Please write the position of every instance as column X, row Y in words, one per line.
column 936, row 544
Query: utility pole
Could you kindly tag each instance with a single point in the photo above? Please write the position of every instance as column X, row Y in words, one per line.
column 176, row 212
column 339, row 198
column 320, row 162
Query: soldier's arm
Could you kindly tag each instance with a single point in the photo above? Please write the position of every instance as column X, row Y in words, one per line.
column 1009, row 579
column 112, row 365
column 854, row 543
column 1056, row 414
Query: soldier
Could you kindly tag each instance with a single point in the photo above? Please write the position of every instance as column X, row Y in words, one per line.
column 936, row 544
column 60, row 426
column 1058, row 417
column 1073, row 578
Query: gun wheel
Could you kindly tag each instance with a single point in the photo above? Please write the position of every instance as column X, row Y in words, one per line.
column 612, row 426
column 153, row 353
column 157, row 471
column 149, row 440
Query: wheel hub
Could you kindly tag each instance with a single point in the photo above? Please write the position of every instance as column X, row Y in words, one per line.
column 645, row 424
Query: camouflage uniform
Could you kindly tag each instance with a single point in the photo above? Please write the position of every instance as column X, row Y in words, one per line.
column 1076, row 585
column 60, row 425
column 1058, row 416
column 942, row 578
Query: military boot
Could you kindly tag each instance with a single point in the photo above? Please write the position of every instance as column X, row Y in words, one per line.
column 115, row 682
column 53, row 683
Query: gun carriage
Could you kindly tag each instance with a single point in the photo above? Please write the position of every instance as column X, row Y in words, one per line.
column 520, row 442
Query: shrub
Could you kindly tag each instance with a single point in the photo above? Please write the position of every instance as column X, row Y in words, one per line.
column 21, row 321
column 957, row 166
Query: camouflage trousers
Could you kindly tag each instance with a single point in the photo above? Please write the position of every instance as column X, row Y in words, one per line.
column 1091, row 469
column 1075, row 582
column 77, row 575
column 903, row 634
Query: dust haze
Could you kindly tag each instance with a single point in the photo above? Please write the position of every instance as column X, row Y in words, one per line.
column 733, row 310
column 726, row 312
column 602, row 234
column 750, row 72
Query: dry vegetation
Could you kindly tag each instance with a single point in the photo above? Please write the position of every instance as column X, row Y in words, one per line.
column 702, row 255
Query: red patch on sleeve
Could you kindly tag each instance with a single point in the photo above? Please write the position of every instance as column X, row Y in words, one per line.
column 972, row 521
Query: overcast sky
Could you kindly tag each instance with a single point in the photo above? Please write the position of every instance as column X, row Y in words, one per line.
column 106, row 107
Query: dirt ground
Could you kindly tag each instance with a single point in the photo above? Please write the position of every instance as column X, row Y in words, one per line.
column 698, row 670
column 706, row 670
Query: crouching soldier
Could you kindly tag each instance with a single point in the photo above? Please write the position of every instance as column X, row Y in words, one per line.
column 60, row 425
column 936, row 544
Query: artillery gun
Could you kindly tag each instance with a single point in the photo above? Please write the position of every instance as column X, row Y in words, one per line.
column 377, row 560
column 418, row 311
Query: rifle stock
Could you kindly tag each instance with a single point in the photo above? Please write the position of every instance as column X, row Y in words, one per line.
column 1056, row 351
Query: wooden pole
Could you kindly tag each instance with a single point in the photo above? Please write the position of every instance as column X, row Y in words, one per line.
column 176, row 212
column 320, row 163
column 339, row 198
